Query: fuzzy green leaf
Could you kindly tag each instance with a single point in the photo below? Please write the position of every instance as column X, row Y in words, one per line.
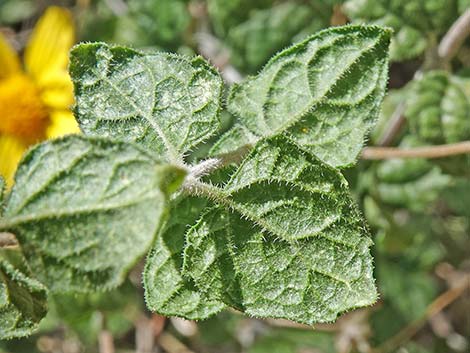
column 325, row 93
column 279, row 188
column 235, row 138
column 22, row 298
column 85, row 209
column 166, row 103
column 281, row 239
column 166, row 290
column 284, row 240
column 307, row 281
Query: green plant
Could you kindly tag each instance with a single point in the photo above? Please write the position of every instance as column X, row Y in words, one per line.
column 264, row 223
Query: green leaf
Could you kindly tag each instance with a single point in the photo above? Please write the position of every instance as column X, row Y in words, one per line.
column 225, row 14
column 285, row 240
column 85, row 209
column 418, row 194
column 82, row 313
column 22, row 298
column 464, row 5
column 280, row 188
column 267, row 31
column 234, row 139
column 325, row 93
column 166, row 103
column 292, row 340
column 408, row 290
column 159, row 21
column 166, row 290
column 456, row 196
column 415, row 22
column 14, row 11
column 414, row 183
column 438, row 107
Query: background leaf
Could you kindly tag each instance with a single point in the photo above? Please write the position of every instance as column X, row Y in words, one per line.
column 416, row 23
column 22, row 298
column 438, row 107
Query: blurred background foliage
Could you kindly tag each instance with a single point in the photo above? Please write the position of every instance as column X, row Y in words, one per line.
column 418, row 209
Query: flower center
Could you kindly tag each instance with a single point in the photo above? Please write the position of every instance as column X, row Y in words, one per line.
column 22, row 113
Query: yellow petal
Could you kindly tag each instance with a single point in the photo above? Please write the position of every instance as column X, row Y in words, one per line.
column 62, row 123
column 11, row 150
column 56, row 89
column 50, row 42
column 9, row 61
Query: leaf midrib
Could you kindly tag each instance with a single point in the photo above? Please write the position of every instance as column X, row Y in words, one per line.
column 174, row 155
column 11, row 222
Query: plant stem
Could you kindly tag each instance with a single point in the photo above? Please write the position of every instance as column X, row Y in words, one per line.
column 209, row 165
column 171, row 344
column 439, row 151
column 394, row 125
column 455, row 36
column 7, row 240
column 105, row 341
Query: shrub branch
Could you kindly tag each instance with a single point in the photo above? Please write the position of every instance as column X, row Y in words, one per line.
column 438, row 151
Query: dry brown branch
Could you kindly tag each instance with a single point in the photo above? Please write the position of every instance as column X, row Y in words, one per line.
column 394, row 125
column 8, row 240
column 144, row 335
column 106, row 342
column 439, row 151
column 171, row 344
column 455, row 36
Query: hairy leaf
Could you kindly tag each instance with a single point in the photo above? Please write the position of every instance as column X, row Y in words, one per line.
column 324, row 93
column 289, row 194
column 308, row 281
column 85, row 209
column 22, row 298
column 166, row 290
column 281, row 239
column 438, row 108
column 164, row 102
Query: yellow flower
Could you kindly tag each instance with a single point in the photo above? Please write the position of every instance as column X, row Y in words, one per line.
column 35, row 100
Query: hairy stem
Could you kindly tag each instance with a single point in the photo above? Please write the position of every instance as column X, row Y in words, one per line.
column 209, row 165
column 439, row 151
